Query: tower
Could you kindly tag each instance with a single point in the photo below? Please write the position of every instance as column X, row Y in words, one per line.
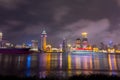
column 43, row 40
column 84, row 39
column 64, row 45
column 1, row 35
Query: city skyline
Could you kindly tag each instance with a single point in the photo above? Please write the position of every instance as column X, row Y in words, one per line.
column 23, row 21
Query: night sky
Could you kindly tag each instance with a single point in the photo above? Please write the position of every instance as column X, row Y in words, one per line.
column 23, row 20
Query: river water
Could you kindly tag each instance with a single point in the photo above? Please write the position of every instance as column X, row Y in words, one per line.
column 59, row 64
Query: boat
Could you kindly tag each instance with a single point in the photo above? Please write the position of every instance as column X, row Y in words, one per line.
column 14, row 50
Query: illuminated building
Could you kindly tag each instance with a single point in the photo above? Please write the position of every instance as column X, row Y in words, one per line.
column 84, row 35
column 4, row 43
column 69, row 47
column 1, row 35
column 55, row 50
column 84, row 42
column 48, row 48
column 78, row 43
column 95, row 49
column 111, row 50
column 117, row 51
column 60, row 48
column 34, row 45
column 43, row 40
column 84, row 39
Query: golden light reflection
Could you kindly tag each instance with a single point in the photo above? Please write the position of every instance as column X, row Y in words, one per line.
column 91, row 62
column 109, row 60
column 78, row 72
column 96, row 62
column 112, row 62
column 48, row 57
column 69, row 61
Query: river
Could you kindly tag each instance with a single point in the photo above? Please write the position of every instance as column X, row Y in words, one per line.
column 59, row 64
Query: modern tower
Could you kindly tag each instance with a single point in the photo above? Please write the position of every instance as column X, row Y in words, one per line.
column 43, row 40
column 84, row 36
column 84, row 39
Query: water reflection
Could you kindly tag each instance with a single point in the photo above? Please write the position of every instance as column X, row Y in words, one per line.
column 59, row 64
column 28, row 64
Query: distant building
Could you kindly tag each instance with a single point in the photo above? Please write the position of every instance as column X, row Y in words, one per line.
column 64, row 45
column 4, row 43
column 78, row 43
column 34, row 45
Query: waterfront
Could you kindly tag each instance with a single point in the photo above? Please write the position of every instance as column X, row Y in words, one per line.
column 58, row 64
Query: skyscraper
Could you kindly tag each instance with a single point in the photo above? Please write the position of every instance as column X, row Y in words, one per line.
column 1, row 35
column 84, row 39
column 43, row 40
column 64, row 45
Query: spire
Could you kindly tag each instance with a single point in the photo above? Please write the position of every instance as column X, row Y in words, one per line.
column 44, row 32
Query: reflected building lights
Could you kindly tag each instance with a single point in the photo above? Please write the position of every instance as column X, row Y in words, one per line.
column 77, row 62
column 69, row 62
column 112, row 62
column 28, row 65
column 91, row 62
column 85, row 62
column 60, row 60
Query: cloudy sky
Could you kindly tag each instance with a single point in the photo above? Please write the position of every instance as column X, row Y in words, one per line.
column 23, row 20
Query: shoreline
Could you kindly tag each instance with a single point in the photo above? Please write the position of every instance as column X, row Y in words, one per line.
column 74, row 77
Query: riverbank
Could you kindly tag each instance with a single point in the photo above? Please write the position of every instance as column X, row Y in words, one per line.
column 75, row 77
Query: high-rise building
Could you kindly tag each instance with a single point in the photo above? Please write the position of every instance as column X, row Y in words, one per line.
column 34, row 45
column 43, row 40
column 64, row 45
column 84, row 39
column 1, row 36
column 78, row 43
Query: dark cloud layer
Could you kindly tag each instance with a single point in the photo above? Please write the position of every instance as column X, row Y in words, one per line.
column 23, row 20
